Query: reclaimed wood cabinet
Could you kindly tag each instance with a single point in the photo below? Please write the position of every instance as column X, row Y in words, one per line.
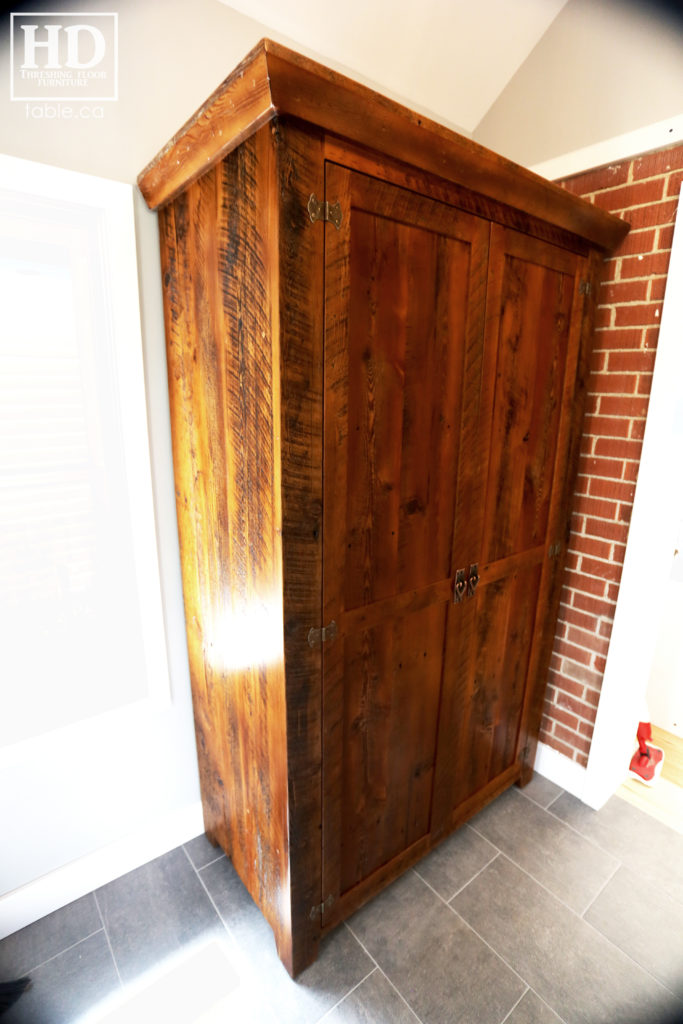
column 377, row 337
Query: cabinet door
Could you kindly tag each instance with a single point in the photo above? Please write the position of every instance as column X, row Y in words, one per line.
column 405, row 280
column 496, row 640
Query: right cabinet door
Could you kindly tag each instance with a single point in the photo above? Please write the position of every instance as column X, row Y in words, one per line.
column 497, row 636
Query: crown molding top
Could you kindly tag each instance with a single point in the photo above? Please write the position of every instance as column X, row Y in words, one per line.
column 273, row 81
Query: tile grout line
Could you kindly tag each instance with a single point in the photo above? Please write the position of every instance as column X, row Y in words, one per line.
column 529, row 988
column 346, row 995
column 473, row 930
column 567, row 907
column 208, row 863
column 383, row 973
column 513, row 1008
column 598, row 894
column 540, row 884
column 526, row 796
column 106, row 935
column 458, row 891
column 586, row 838
column 66, row 950
column 197, row 872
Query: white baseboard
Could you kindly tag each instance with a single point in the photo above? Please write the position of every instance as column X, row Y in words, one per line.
column 560, row 770
column 50, row 892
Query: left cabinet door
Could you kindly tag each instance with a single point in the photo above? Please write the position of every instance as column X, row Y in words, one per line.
column 405, row 280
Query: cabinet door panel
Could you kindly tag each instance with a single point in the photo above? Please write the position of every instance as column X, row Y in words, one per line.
column 392, row 688
column 404, row 309
column 532, row 292
column 534, row 320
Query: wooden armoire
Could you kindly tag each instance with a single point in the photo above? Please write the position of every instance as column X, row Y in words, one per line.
column 378, row 336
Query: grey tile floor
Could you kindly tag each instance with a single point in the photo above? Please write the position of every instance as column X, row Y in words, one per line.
column 539, row 910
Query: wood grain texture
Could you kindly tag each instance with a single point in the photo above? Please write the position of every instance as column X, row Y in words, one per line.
column 577, row 371
column 219, row 261
column 357, row 414
column 400, row 277
column 301, row 254
column 274, row 81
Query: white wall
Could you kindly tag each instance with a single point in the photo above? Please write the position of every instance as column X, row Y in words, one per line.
column 172, row 55
column 604, row 68
column 665, row 688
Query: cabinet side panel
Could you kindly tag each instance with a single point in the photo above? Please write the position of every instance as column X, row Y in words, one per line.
column 300, row 173
column 219, row 252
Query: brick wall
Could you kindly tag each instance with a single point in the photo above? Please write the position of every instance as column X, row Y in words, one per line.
column 644, row 191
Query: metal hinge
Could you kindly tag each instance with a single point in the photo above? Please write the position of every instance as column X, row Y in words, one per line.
column 320, row 908
column 585, row 288
column 318, row 210
column 320, row 636
column 465, row 583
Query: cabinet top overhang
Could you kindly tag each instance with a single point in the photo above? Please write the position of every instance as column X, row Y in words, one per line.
column 273, row 81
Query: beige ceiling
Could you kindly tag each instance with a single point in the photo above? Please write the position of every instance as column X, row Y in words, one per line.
column 451, row 58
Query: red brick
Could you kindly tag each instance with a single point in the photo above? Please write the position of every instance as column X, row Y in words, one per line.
column 579, row 707
column 619, row 554
column 592, row 466
column 637, row 242
column 632, row 361
column 558, row 715
column 583, row 674
column 598, row 362
column 567, row 650
column 597, row 178
column 657, row 288
column 645, row 313
column 603, row 570
column 579, row 619
column 577, row 523
column 620, row 338
column 665, row 237
column 613, row 383
column 631, row 470
column 571, row 738
column 588, row 585
column 651, row 216
column 595, row 508
column 609, row 530
column 581, row 759
column 561, row 748
column 593, row 605
column 593, row 548
column 637, row 427
column 626, row 406
column 624, row 197
column 674, row 184
column 618, row 448
column 586, row 729
column 619, row 490
column 589, row 641
column 644, row 384
column 610, row 269
column 593, row 697
column 571, row 686
column 645, row 266
column 605, row 628
column 600, row 664
column 604, row 317
column 613, row 427
column 661, row 161
column 623, row 291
